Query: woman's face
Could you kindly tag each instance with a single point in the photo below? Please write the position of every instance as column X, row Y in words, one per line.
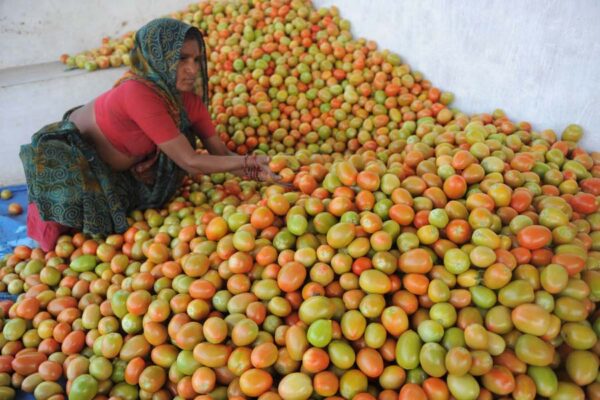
column 189, row 65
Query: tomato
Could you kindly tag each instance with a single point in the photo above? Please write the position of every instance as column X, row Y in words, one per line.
column 73, row 342
column 573, row 263
column 458, row 361
column 203, row 380
column 353, row 324
column 296, row 342
column 320, row 333
column 432, row 359
column 211, row 355
column 435, row 389
column 554, row 278
column 455, row 187
column 584, row 203
column 216, row 228
column 582, row 367
column 374, row 281
column 534, row 237
column 570, row 309
column 568, row 390
column 291, row 276
column 340, row 235
column 100, row 368
column 499, row 380
column 28, row 363
column 545, row 379
column 481, row 362
column 152, row 378
column 262, row 217
column 295, row 385
column 325, row 383
column 534, row 351
column 77, row 366
column 553, row 217
column 578, row 335
column 125, row 391
column 403, row 214
column 497, row 276
column 314, row 308
column 463, row 387
column 408, row 349
column 341, row 354
column 255, row 382
column 515, row 293
column 50, row 370
column 244, row 332
column 28, row 308
column 524, row 388
column 48, row 390
column 482, row 296
column 84, row 387
column 531, row 318
column 482, row 256
column 415, row 261
column 370, row 362
column 264, row 355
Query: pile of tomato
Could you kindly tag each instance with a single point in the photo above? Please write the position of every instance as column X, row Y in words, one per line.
column 421, row 254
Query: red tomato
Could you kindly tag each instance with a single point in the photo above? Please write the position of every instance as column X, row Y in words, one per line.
column 534, row 237
column 584, row 203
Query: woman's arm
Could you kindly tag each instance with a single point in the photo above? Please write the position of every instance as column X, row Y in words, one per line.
column 215, row 146
column 203, row 126
column 181, row 152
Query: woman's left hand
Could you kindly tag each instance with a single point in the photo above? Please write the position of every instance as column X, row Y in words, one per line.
column 144, row 171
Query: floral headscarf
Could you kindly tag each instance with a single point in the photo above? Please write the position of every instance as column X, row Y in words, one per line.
column 155, row 56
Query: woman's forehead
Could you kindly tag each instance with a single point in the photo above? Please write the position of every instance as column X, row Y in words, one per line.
column 190, row 46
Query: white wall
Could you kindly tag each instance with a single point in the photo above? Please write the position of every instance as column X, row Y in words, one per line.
column 34, row 88
column 539, row 60
column 34, row 31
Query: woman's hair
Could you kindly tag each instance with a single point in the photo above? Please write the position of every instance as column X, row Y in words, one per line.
column 194, row 33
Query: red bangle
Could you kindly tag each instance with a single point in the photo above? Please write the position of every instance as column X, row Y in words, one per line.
column 245, row 169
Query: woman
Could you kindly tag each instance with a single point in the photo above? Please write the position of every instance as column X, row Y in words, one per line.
column 130, row 147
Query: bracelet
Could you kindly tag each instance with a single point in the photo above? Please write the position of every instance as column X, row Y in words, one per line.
column 245, row 167
column 251, row 171
column 257, row 167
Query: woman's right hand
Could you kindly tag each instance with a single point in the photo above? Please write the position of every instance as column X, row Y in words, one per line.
column 263, row 160
column 266, row 175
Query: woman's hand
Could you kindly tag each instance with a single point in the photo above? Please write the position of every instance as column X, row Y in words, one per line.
column 263, row 160
column 265, row 174
column 261, row 172
column 144, row 171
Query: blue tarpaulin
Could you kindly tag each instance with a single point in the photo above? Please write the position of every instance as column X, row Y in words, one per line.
column 13, row 230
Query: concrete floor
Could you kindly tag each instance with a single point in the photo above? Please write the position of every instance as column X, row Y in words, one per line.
column 37, row 95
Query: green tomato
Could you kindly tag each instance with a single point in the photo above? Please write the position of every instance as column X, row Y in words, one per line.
column 320, row 332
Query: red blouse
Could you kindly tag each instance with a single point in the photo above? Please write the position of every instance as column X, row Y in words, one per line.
column 134, row 118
